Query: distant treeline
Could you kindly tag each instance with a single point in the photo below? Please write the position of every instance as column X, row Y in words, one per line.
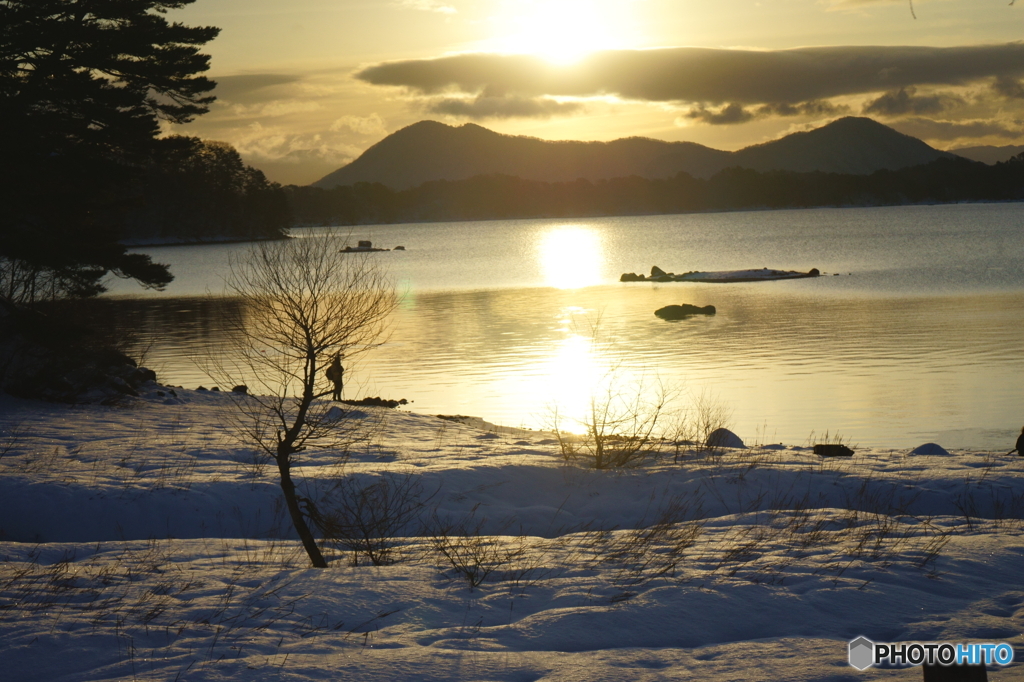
column 197, row 190
column 501, row 196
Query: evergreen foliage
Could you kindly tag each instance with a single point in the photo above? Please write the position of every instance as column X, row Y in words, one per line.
column 84, row 85
column 199, row 190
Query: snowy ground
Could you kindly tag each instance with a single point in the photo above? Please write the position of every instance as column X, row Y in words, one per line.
column 143, row 542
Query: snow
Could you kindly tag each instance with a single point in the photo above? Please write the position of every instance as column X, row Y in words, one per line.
column 719, row 276
column 723, row 276
column 146, row 542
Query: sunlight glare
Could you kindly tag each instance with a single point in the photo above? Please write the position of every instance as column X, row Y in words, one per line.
column 571, row 256
column 561, row 31
column 572, row 373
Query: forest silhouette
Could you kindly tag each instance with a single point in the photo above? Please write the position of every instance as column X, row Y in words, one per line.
column 487, row 197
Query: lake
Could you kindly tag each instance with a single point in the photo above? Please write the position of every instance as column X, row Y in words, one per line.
column 913, row 334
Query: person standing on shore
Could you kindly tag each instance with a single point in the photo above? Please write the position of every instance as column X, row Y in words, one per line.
column 336, row 374
column 1019, row 447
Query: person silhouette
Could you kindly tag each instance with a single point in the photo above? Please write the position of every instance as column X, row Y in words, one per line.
column 1019, row 447
column 336, row 374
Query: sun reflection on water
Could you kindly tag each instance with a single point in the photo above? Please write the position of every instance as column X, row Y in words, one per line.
column 571, row 256
column 572, row 372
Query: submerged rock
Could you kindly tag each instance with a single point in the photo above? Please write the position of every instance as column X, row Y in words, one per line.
column 680, row 312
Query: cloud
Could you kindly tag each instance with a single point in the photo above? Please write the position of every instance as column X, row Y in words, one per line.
column 714, row 77
column 842, row 4
column 728, row 115
column 1010, row 88
column 272, row 108
column 734, row 113
column 816, row 107
column 295, row 127
column 259, row 143
column 483, row 107
column 906, row 101
column 929, row 129
column 429, row 6
column 252, row 87
column 846, row 4
column 372, row 125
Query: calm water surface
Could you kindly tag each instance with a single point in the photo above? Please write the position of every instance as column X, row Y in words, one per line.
column 914, row 335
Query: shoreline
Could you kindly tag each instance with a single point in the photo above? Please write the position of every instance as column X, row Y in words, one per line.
column 209, row 241
column 159, row 396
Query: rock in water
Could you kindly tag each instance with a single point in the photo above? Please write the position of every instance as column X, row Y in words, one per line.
column 657, row 272
column 679, row 312
column 724, row 438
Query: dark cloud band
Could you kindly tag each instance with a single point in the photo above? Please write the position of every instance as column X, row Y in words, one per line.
column 252, row 87
column 734, row 113
column 904, row 101
column 711, row 76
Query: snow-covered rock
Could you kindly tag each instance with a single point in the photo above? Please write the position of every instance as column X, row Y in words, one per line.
column 724, row 438
column 929, row 449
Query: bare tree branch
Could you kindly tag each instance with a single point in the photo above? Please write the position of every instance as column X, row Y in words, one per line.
column 303, row 303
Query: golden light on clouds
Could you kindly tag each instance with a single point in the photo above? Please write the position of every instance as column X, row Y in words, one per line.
column 305, row 88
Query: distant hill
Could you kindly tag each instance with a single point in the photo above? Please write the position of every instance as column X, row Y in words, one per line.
column 989, row 154
column 429, row 150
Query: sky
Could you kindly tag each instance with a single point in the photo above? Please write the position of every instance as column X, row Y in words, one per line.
column 305, row 86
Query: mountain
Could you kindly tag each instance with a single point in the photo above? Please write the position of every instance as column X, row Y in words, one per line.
column 851, row 145
column 429, row 150
column 989, row 154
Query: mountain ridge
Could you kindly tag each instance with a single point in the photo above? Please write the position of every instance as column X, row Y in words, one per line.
column 430, row 150
column 989, row 154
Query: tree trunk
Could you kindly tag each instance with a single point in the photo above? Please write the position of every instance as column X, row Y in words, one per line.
column 298, row 520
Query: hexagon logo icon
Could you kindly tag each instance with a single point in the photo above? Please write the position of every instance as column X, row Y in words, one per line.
column 862, row 653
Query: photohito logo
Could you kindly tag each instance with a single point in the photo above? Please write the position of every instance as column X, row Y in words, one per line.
column 864, row 653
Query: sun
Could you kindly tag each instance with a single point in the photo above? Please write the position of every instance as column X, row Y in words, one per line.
column 561, row 31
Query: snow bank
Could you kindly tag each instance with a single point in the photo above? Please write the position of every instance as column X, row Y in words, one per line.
column 147, row 542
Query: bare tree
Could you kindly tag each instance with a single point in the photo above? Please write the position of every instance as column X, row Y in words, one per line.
column 366, row 516
column 620, row 425
column 304, row 302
